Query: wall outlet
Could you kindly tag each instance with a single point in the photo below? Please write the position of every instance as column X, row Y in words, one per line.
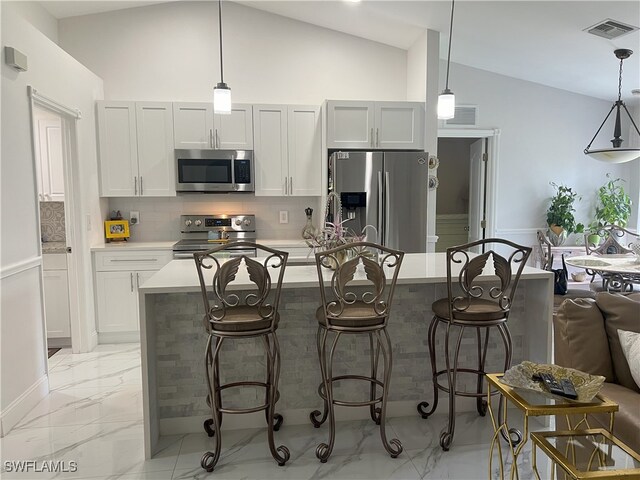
column 134, row 218
column 284, row 216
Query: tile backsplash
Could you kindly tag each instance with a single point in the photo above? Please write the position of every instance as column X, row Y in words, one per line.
column 52, row 221
column 160, row 217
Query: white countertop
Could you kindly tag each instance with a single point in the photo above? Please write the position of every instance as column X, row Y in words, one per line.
column 181, row 276
column 287, row 243
column 134, row 246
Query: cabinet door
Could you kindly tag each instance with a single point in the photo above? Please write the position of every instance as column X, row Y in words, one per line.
column 270, row 150
column 117, row 301
column 350, row 124
column 56, row 302
column 234, row 131
column 117, row 149
column 49, row 152
column 193, row 125
column 399, row 125
column 304, row 132
column 156, row 165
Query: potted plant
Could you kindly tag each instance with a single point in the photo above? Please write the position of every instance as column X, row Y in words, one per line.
column 560, row 218
column 613, row 208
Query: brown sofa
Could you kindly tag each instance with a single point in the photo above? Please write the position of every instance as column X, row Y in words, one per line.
column 586, row 338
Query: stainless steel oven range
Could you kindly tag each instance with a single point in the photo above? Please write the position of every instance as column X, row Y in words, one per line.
column 204, row 232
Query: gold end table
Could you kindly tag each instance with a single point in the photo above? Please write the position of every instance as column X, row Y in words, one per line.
column 588, row 454
column 534, row 404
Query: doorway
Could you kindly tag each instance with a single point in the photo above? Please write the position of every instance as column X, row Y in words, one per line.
column 53, row 134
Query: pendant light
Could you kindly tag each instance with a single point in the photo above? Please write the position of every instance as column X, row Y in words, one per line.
column 221, row 92
column 616, row 154
column 447, row 100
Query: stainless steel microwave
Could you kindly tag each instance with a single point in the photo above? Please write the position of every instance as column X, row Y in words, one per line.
column 214, row 171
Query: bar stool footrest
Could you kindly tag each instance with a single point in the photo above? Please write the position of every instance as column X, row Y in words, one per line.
column 345, row 403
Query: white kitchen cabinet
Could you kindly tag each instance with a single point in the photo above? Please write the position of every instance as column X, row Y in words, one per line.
column 375, row 125
column 56, row 298
column 287, row 150
column 135, row 143
column 118, row 277
column 51, row 161
column 195, row 126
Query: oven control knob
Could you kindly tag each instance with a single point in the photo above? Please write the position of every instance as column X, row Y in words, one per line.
column 238, row 222
column 198, row 223
column 247, row 222
column 188, row 223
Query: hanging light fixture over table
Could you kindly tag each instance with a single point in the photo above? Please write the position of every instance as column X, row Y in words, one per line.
column 616, row 154
column 447, row 100
column 221, row 92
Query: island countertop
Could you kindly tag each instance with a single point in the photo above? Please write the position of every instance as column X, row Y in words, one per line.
column 181, row 276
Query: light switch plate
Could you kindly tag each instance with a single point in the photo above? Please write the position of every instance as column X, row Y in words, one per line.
column 284, row 216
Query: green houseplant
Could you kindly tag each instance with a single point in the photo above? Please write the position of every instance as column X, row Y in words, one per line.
column 560, row 217
column 613, row 208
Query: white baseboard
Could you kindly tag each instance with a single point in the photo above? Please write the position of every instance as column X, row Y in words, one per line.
column 184, row 425
column 23, row 405
column 62, row 342
column 119, row 337
column 93, row 340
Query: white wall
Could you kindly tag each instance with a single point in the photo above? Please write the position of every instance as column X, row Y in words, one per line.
column 54, row 74
column 38, row 16
column 543, row 134
column 170, row 52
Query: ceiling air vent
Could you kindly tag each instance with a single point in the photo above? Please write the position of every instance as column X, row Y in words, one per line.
column 610, row 29
column 465, row 116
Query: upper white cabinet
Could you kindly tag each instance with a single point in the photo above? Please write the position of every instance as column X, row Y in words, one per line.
column 195, row 126
column 135, row 143
column 51, row 162
column 375, row 125
column 287, row 150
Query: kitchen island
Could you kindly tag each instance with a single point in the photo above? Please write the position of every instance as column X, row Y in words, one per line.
column 173, row 345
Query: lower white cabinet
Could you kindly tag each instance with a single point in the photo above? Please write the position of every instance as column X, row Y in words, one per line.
column 118, row 277
column 56, row 301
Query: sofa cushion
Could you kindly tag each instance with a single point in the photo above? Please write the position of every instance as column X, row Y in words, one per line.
column 621, row 312
column 581, row 340
column 630, row 342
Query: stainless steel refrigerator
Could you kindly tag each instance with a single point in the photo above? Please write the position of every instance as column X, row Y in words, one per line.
column 387, row 190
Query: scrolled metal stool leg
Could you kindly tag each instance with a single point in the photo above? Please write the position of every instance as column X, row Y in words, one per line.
column 280, row 454
column 481, row 402
column 393, row 446
column 373, row 411
column 210, row 459
column 446, row 437
column 277, row 419
column 513, row 436
column 323, row 450
column 313, row 416
column 431, row 340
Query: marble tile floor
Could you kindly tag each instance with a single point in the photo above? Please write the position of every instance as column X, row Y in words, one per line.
column 93, row 416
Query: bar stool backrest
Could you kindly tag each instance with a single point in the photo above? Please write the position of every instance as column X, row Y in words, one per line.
column 380, row 268
column 611, row 244
column 263, row 299
column 473, row 265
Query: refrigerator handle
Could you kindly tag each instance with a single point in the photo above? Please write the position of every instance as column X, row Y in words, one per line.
column 380, row 224
column 386, row 208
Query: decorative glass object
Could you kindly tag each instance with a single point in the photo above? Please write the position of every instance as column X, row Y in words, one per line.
column 557, row 238
column 309, row 231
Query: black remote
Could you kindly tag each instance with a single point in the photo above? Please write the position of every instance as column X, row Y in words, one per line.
column 564, row 388
column 569, row 390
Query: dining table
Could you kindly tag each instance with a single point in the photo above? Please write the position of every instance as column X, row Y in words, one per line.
column 619, row 272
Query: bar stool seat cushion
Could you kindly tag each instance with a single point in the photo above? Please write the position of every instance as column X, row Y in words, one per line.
column 248, row 319
column 357, row 314
column 479, row 309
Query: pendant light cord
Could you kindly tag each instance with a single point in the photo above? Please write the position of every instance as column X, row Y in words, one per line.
column 453, row 2
column 220, row 30
column 620, row 81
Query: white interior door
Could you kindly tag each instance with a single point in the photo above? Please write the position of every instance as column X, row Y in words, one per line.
column 476, row 190
column 51, row 158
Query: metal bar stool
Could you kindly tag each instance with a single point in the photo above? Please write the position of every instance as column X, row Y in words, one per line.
column 348, row 309
column 230, row 317
column 473, row 304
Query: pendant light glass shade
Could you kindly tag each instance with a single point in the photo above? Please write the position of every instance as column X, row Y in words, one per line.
column 221, row 92
column 616, row 154
column 446, row 105
column 222, row 99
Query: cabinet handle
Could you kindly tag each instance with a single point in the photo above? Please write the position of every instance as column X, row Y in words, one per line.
column 211, row 137
column 290, row 185
column 135, row 185
column 131, row 275
column 372, row 144
column 134, row 260
column 137, row 280
column 377, row 138
column 141, row 185
column 286, row 186
column 216, row 139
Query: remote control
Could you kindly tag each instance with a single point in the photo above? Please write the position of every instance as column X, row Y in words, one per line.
column 552, row 384
column 564, row 388
column 569, row 390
